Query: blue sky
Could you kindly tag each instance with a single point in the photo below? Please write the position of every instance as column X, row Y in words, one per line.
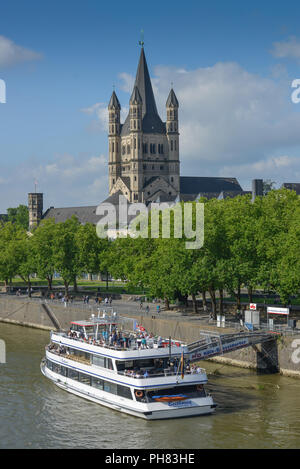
column 232, row 64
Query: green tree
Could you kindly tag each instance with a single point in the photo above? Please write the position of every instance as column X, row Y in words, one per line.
column 19, row 215
column 44, row 244
column 66, row 253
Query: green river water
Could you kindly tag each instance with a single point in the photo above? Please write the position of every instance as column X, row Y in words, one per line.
column 254, row 411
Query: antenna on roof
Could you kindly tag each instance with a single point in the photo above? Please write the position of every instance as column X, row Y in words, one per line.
column 141, row 42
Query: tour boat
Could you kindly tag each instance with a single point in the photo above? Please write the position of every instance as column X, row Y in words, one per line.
column 145, row 376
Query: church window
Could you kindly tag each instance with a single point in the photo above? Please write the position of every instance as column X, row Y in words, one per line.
column 113, row 147
column 175, row 145
column 171, row 127
column 123, row 150
column 117, row 145
column 113, row 181
column 172, row 179
column 134, row 124
column 154, row 148
column 128, row 149
column 171, row 145
column 135, row 178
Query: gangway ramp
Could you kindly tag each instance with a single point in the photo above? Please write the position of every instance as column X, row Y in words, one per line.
column 212, row 344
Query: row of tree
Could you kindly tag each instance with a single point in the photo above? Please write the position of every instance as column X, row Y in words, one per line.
column 246, row 244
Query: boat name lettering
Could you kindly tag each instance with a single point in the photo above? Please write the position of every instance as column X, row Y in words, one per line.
column 181, row 404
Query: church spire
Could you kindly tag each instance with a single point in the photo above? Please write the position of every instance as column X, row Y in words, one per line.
column 143, row 83
column 151, row 122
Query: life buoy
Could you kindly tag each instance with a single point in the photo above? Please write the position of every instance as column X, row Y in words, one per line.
column 139, row 393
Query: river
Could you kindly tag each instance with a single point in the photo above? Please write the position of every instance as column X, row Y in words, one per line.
column 254, row 411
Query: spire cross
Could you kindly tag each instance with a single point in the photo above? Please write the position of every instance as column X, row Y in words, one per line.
column 141, row 42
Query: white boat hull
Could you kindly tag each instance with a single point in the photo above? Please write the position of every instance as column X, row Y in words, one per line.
column 152, row 411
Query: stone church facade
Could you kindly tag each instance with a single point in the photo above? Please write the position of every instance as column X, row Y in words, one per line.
column 144, row 151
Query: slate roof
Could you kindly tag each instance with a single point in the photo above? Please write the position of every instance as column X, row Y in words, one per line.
column 84, row 214
column 151, row 122
column 196, row 185
column 114, row 102
column 172, row 100
column 292, row 186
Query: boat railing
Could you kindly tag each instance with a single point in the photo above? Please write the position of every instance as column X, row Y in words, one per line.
column 101, row 343
column 164, row 373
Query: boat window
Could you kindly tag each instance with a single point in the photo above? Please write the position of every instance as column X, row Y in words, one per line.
column 188, row 391
column 84, row 379
column 124, row 391
column 97, row 383
column 99, row 361
column 144, row 363
column 103, row 362
column 124, row 365
column 110, row 387
column 73, row 374
column 63, row 371
column 55, row 368
column 49, row 364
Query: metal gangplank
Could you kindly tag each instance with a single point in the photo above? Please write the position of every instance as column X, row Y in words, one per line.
column 212, row 344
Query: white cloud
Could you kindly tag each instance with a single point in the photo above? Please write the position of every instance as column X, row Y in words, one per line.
column 11, row 53
column 229, row 119
column 289, row 49
column 280, row 169
column 100, row 111
column 65, row 181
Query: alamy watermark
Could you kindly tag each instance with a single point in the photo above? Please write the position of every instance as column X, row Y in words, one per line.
column 165, row 220
column 296, row 354
column 295, row 96
column 2, row 352
column 2, row 92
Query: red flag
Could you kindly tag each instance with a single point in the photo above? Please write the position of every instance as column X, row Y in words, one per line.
column 182, row 366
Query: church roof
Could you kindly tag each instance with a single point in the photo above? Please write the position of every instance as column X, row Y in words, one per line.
column 84, row 214
column 151, row 122
column 136, row 97
column 197, row 185
column 292, row 186
column 172, row 101
column 114, row 102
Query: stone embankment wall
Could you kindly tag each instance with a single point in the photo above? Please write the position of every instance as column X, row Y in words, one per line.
column 282, row 355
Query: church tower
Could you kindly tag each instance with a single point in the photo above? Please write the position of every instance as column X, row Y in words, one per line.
column 35, row 208
column 144, row 151
column 173, row 138
column 114, row 110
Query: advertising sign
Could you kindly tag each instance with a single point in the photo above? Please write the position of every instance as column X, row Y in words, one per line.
column 273, row 310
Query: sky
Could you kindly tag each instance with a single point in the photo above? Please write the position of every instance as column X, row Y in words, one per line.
column 231, row 63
